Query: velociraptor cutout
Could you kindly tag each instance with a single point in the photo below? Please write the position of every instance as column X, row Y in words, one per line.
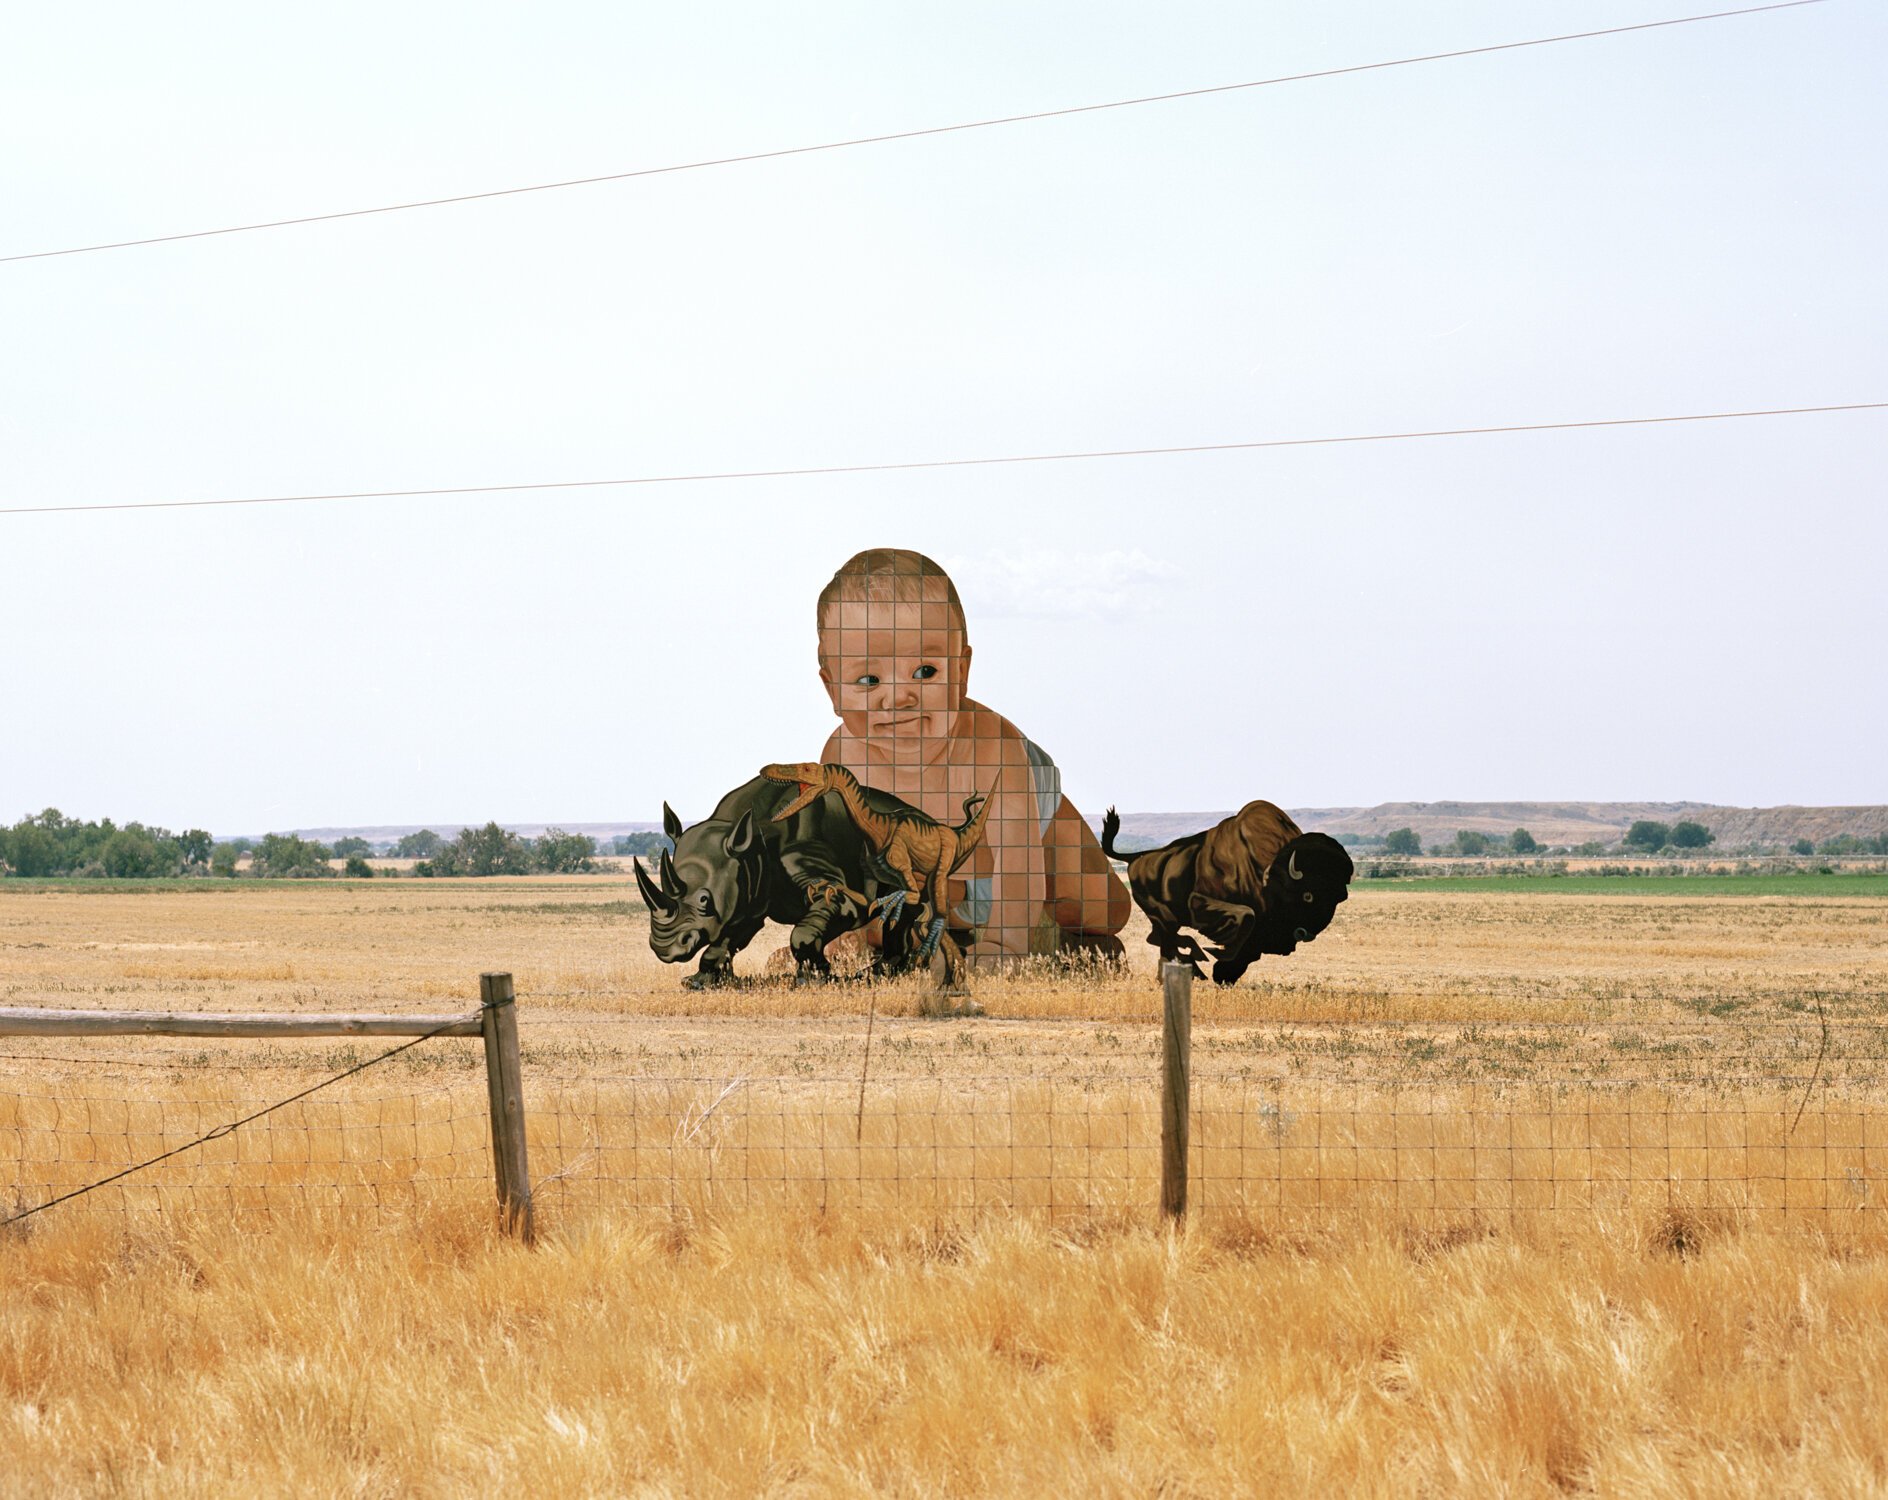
column 919, row 851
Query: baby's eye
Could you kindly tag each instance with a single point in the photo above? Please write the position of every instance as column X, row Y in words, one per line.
column 925, row 673
column 865, row 680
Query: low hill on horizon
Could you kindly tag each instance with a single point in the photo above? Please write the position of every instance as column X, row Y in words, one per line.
column 1434, row 822
column 1550, row 822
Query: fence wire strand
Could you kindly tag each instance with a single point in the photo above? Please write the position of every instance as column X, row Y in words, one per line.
column 228, row 1128
column 972, row 1130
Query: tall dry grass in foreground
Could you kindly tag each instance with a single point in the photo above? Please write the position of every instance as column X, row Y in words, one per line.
column 821, row 1355
column 1500, row 1194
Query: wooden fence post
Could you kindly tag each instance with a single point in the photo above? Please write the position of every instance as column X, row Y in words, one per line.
column 1176, row 985
column 498, row 1016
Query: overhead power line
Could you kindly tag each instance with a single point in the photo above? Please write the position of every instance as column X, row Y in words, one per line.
column 907, row 135
column 944, row 463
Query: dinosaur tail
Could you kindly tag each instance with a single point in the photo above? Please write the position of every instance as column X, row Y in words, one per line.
column 970, row 831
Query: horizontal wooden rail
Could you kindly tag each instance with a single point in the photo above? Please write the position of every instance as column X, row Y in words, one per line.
column 32, row 1021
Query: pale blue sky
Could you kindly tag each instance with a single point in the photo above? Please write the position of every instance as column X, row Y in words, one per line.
column 1682, row 220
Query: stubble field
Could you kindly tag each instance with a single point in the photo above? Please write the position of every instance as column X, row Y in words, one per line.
column 1495, row 1191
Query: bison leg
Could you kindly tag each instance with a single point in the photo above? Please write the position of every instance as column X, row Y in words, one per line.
column 1228, row 970
column 1176, row 947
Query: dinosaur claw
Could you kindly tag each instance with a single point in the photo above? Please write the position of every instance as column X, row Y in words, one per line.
column 932, row 935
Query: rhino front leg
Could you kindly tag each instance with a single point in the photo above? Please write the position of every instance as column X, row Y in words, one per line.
column 717, row 959
column 832, row 910
column 716, row 969
column 809, row 939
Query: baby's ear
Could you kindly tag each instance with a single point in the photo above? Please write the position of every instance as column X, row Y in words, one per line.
column 826, row 681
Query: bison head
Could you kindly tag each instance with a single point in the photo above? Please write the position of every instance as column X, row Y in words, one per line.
column 709, row 880
column 1307, row 880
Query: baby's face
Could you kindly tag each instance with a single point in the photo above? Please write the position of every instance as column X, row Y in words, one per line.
column 896, row 673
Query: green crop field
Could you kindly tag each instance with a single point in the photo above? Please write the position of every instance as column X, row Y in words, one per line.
column 1807, row 884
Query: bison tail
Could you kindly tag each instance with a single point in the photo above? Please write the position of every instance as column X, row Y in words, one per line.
column 1110, row 826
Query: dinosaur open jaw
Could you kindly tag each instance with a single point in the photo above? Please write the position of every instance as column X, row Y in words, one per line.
column 808, row 791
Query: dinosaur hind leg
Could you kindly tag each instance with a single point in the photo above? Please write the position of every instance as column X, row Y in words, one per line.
column 932, row 935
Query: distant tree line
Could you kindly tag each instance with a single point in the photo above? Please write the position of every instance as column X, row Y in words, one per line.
column 49, row 843
column 1468, row 843
column 493, row 850
column 1645, row 835
column 1843, row 843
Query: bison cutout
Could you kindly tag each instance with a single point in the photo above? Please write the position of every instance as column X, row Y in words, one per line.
column 1253, row 884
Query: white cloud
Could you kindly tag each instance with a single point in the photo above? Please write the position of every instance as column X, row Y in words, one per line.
column 1052, row 583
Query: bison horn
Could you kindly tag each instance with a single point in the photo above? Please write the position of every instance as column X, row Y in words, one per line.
column 1291, row 866
column 655, row 899
column 671, row 882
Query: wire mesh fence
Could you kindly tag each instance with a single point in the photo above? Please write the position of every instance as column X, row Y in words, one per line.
column 364, row 1150
column 1079, row 1146
column 1066, row 1146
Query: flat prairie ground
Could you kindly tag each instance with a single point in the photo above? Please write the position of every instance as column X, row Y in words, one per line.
column 1512, row 1191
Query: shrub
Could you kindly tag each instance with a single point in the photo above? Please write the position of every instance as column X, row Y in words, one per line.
column 560, row 853
column 1469, row 843
column 490, row 850
column 1648, row 835
column 1802, row 846
column 288, row 855
column 223, row 860
column 29, row 849
column 651, row 845
column 1523, row 842
column 1402, row 841
column 131, row 854
column 1689, row 835
column 358, row 868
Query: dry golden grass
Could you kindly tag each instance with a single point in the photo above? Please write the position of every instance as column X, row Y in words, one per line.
column 1499, row 1194
column 808, row 1355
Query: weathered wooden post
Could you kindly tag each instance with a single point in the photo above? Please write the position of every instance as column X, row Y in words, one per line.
column 1176, row 1090
column 498, row 1020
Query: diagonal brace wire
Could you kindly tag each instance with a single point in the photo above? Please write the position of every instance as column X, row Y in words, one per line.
column 225, row 1129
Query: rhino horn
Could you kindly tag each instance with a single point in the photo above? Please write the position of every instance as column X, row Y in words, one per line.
column 671, row 825
column 671, row 882
column 654, row 898
column 1291, row 866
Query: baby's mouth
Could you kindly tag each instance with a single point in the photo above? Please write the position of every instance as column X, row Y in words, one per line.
column 901, row 721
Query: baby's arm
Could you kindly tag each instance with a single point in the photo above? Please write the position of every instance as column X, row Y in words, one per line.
column 1018, row 873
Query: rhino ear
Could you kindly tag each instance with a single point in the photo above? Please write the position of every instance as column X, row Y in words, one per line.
column 671, row 825
column 740, row 837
